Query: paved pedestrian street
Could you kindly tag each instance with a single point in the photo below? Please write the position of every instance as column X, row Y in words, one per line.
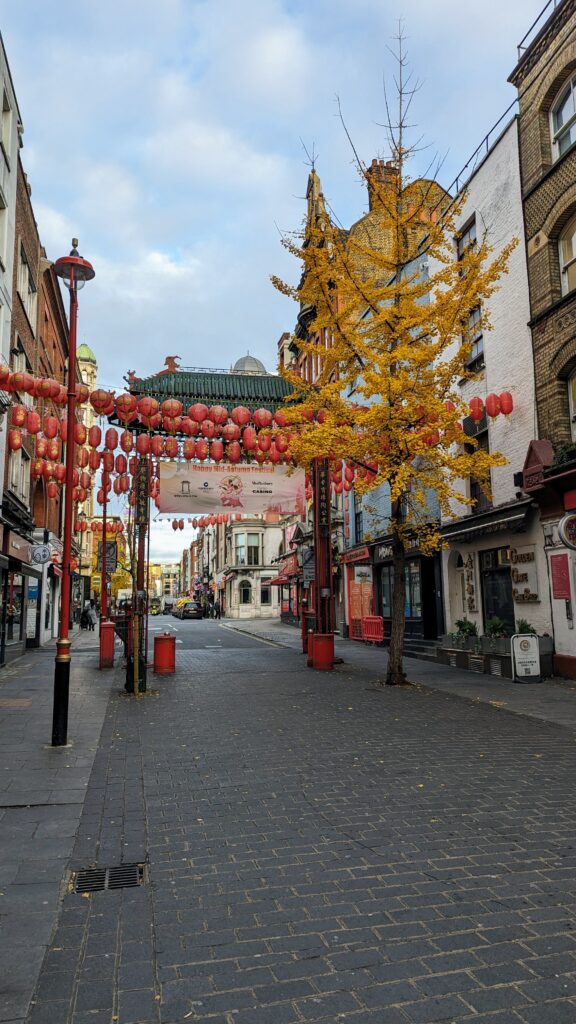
column 315, row 849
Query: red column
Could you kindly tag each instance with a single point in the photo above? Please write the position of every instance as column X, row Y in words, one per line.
column 323, row 644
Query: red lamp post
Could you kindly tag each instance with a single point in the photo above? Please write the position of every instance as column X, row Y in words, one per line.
column 74, row 271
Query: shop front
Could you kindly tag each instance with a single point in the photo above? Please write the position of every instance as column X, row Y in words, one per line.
column 423, row 608
column 289, row 580
column 19, row 597
column 359, row 589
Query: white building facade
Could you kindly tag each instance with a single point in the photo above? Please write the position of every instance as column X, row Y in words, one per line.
column 494, row 563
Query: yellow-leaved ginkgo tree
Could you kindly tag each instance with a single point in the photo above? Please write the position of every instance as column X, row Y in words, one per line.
column 386, row 312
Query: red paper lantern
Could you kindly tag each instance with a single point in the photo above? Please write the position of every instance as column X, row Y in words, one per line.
column 249, row 439
column 432, row 439
column 75, row 478
column 189, row 449
column 107, row 461
column 241, row 415
column 171, row 407
column 14, row 440
column 157, row 445
column 53, row 449
column 117, row 485
column 274, row 454
column 493, row 405
column 262, row 418
column 41, row 447
column 148, row 406
column 82, row 393
column 85, row 480
column 133, row 465
column 264, row 442
column 4, row 375
column 51, row 489
column 18, row 416
column 100, row 401
column 187, row 426
column 231, row 432
column 111, row 439
column 180, row 524
column 51, row 426
column 476, row 409
column 143, row 444
column 80, row 433
column 33, row 422
column 60, row 472
column 20, row 381
column 121, row 463
column 195, row 524
column 307, row 414
column 126, row 407
column 449, row 406
column 37, row 468
column 281, row 443
column 172, row 424
column 201, row 450
column 126, row 441
column 260, row 457
column 234, row 451
column 321, row 415
column 171, row 448
column 198, row 412
column 82, row 456
column 506, row 403
column 218, row 414
column 94, row 460
column 208, row 428
column 217, row 451
column 174, row 524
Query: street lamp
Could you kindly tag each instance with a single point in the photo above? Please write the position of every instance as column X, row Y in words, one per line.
column 74, row 271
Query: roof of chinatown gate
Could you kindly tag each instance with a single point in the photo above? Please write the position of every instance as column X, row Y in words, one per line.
column 214, row 387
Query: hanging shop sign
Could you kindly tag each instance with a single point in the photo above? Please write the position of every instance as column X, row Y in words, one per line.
column 323, row 494
column 40, row 553
column 190, row 488
column 567, row 530
column 470, row 583
column 142, row 491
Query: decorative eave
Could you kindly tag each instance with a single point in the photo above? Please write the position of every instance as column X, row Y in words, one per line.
column 215, row 388
column 542, row 40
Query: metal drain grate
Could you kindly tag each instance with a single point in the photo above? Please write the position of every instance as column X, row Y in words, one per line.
column 123, row 876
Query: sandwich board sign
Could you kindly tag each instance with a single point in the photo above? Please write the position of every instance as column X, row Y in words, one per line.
column 526, row 658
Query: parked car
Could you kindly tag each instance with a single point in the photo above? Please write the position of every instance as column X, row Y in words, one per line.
column 190, row 610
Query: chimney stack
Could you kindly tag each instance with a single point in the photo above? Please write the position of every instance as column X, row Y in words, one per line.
column 383, row 172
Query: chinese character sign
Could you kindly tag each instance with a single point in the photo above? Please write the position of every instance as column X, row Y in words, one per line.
column 191, row 488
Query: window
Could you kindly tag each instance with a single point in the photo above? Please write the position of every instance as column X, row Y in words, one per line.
column 20, row 475
column 253, row 549
column 14, row 608
column 473, row 336
column 265, row 593
column 240, row 548
column 563, row 120
column 27, row 288
column 6, row 130
column 358, row 519
column 572, row 403
column 20, row 364
column 466, row 238
column 3, row 230
column 568, row 257
column 413, row 592
column 481, row 500
column 245, row 592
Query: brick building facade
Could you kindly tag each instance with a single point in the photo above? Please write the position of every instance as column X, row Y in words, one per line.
column 545, row 79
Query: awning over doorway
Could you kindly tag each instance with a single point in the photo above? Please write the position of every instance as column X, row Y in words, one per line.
column 511, row 517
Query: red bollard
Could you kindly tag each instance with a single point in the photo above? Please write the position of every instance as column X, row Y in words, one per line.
column 165, row 654
column 323, row 652
column 107, row 634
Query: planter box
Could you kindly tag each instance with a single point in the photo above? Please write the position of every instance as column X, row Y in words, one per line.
column 477, row 662
column 499, row 645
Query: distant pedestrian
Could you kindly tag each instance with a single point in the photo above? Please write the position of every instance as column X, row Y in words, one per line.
column 217, row 609
column 92, row 616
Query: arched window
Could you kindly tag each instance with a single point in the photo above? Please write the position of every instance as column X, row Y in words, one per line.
column 245, row 592
column 572, row 402
column 568, row 257
column 563, row 120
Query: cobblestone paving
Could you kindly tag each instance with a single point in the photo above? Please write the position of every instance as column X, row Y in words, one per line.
column 320, row 850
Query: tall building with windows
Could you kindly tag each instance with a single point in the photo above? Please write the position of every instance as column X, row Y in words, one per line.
column 546, row 82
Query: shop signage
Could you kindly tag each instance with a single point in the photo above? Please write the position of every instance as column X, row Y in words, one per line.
column 187, row 488
column 567, row 530
column 40, row 553
column 31, row 607
column 526, row 658
column 524, row 574
column 142, row 496
column 323, row 496
column 290, row 566
column 560, row 573
column 111, row 556
column 470, row 583
column 383, row 552
column 356, row 555
column 362, row 574
column 18, row 547
column 308, row 565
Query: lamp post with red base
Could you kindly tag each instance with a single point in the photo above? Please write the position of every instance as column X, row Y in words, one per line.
column 74, row 271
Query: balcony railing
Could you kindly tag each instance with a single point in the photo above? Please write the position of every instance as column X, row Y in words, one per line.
column 537, row 25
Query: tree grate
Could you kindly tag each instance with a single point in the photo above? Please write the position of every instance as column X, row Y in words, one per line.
column 123, row 876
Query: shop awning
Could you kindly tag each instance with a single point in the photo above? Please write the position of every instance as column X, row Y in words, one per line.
column 278, row 581
column 508, row 517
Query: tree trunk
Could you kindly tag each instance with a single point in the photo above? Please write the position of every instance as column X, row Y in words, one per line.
column 395, row 675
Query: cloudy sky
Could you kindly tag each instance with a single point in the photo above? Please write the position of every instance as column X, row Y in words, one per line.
column 167, row 137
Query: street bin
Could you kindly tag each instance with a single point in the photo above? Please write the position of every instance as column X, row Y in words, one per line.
column 323, row 652
column 164, row 654
column 107, row 634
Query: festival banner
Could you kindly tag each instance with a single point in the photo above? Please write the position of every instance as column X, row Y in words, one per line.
column 190, row 488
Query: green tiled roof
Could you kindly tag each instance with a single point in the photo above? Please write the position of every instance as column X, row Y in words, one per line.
column 229, row 389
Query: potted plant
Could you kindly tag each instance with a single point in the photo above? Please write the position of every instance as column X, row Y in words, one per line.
column 466, row 636
column 497, row 636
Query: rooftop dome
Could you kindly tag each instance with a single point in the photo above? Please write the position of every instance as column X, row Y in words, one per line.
column 86, row 354
column 249, row 364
